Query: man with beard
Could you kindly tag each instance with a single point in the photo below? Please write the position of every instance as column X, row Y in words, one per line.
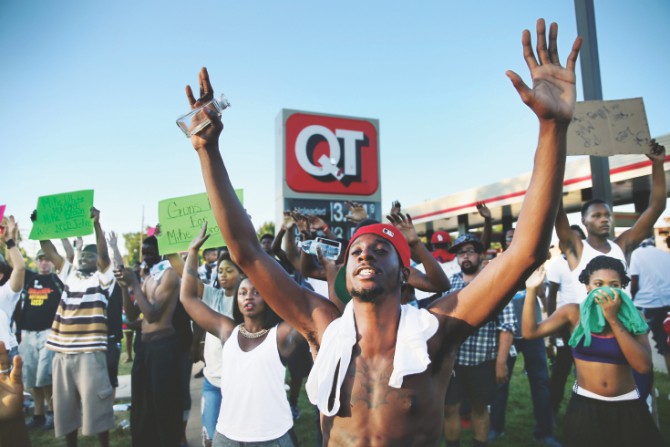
column 482, row 359
column 82, row 392
column 382, row 368
column 157, row 400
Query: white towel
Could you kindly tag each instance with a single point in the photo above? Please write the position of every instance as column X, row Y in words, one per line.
column 157, row 270
column 411, row 353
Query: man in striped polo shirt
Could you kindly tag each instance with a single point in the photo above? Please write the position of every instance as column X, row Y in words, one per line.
column 82, row 392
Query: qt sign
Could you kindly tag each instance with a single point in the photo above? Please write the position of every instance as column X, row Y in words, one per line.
column 331, row 155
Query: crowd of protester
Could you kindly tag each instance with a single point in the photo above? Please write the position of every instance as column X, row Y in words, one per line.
column 402, row 341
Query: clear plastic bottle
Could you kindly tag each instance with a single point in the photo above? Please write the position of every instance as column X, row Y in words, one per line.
column 329, row 249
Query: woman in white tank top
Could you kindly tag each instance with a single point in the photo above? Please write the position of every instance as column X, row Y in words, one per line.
column 254, row 407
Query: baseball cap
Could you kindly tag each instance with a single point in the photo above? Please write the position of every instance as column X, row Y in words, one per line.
column 440, row 237
column 388, row 232
column 649, row 241
column 40, row 253
column 467, row 238
column 91, row 248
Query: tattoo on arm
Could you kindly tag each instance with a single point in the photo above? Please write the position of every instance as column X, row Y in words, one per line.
column 190, row 271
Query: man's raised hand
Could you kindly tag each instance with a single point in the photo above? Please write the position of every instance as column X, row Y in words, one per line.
column 112, row 239
column 536, row 279
column 483, row 210
column 95, row 215
column 11, row 386
column 656, row 151
column 200, row 239
column 405, row 225
column 209, row 136
column 357, row 212
column 553, row 94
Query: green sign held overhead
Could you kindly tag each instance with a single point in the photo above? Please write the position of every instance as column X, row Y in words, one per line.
column 63, row 215
column 181, row 219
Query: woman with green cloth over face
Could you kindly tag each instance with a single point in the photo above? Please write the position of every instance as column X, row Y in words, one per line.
column 609, row 341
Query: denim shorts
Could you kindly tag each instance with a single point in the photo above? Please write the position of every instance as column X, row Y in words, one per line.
column 282, row 441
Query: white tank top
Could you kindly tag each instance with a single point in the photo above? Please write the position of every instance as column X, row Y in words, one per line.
column 254, row 406
column 589, row 253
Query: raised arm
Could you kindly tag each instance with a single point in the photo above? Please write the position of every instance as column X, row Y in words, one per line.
column 49, row 249
column 103, row 255
column 177, row 263
column 568, row 241
column 276, row 246
column 302, row 309
column 434, row 280
column 485, row 212
column 205, row 317
column 642, row 228
column 69, row 250
column 552, row 99
column 15, row 257
column 290, row 247
column 113, row 240
column 530, row 328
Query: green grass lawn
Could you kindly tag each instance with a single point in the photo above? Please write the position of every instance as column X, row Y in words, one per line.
column 519, row 425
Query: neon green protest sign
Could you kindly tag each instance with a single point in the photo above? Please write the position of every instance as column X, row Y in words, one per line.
column 63, row 215
column 181, row 219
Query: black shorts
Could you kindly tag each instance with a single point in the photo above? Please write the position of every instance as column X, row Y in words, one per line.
column 300, row 362
column 477, row 383
column 593, row 423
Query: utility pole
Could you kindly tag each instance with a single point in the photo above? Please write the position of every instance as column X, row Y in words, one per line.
column 586, row 28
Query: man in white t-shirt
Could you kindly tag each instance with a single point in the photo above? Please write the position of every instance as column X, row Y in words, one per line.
column 598, row 220
column 650, row 288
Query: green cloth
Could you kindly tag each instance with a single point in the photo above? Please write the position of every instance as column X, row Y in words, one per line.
column 593, row 320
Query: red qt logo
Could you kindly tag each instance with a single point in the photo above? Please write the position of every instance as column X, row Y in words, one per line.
column 331, row 155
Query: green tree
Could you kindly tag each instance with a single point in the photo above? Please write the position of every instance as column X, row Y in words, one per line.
column 267, row 228
column 133, row 243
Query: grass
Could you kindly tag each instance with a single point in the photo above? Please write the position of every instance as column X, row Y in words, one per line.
column 519, row 425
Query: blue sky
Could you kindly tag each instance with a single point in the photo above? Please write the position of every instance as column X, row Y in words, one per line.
column 91, row 90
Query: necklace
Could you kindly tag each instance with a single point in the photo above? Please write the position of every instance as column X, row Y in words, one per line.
column 245, row 333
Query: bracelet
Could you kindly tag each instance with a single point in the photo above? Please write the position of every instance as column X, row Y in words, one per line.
column 5, row 371
column 10, row 243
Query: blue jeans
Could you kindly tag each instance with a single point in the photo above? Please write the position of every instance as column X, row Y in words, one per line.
column 535, row 359
column 210, row 406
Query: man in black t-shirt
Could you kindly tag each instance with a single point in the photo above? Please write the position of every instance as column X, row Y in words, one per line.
column 42, row 292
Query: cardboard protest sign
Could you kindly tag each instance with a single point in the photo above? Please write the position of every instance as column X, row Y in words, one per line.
column 181, row 219
column 63, row 215
column 606, row 128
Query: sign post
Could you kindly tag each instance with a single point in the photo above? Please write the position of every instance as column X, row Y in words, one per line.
column 324, row 161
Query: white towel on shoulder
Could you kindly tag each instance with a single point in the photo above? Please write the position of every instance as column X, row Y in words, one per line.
column 411, row 353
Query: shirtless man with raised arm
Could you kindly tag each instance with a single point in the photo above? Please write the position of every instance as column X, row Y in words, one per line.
column 157, row 404
column 386, row 394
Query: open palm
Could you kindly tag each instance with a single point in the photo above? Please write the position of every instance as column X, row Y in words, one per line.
column 554, row 87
